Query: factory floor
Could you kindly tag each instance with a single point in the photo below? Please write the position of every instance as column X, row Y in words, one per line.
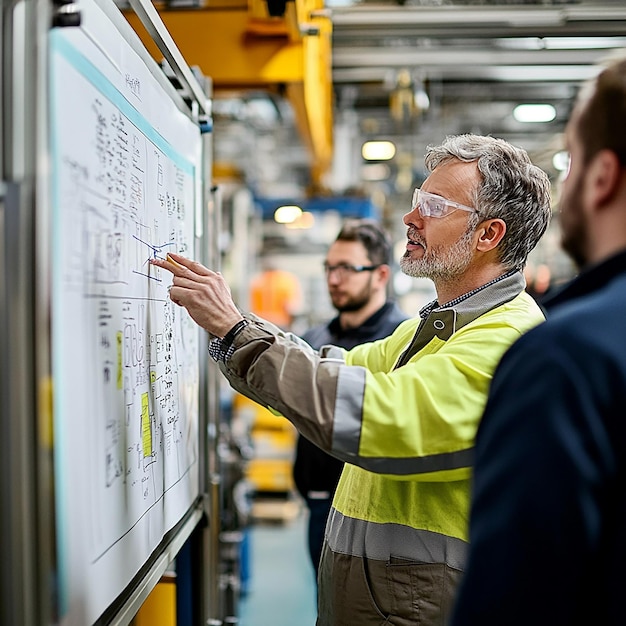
column 281, row 589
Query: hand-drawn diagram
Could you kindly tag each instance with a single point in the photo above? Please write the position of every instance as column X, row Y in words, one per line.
column 126, row 358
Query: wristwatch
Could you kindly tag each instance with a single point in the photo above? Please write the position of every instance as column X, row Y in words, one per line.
column 222, row 349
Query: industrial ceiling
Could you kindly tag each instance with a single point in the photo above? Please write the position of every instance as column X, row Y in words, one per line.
column 410, row 71
column 475, row 60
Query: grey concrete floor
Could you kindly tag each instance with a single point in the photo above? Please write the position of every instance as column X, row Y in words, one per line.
column 282, row 589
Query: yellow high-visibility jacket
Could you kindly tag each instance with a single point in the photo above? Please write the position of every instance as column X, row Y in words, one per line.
column 402, row 413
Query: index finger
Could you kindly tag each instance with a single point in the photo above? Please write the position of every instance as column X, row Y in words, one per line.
column 194, row 266
column 180, row 265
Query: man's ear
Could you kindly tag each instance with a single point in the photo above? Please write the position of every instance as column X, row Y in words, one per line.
column 603, row 177
column 490, row 234
column 384, row 272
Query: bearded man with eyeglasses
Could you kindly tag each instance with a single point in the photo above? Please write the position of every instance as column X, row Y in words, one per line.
column 402, row 412
column 358, row 271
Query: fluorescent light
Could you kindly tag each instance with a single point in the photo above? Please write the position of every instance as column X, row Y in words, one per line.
column 560, row 43
column 378, row 150
column 560, row 161
column 534, row 113
column 287, row 214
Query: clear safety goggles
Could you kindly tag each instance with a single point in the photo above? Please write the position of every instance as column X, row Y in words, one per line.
column 431, row 205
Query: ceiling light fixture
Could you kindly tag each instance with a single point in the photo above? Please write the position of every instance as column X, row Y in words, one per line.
column 528, row 113
column 561, row 160
column 378, row 150
column 287, row 214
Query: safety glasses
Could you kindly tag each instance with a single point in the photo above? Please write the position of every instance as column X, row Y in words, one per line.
column 344, row 270
column 430, row 205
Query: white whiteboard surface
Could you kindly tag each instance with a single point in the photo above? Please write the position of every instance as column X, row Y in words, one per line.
column 125, row 172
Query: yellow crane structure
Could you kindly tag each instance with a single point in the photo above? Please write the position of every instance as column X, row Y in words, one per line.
column 275, row 45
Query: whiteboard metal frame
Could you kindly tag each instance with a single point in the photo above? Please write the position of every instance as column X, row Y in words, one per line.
column 27, row 531
column 129, row 608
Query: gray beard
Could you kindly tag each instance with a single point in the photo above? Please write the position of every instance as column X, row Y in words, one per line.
column 440, row 263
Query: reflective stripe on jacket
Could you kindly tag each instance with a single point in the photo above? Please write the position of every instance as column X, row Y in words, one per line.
column 402, row 412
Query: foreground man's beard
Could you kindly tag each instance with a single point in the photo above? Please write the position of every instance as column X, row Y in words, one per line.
column 573, row 227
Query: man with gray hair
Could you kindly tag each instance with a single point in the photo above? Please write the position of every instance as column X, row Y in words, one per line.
column 402, row 412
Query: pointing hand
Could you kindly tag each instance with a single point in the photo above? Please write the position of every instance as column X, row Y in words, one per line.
column 204, row 294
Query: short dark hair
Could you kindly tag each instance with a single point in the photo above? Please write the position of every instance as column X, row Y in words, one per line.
column 373, row 237
column 602, row 121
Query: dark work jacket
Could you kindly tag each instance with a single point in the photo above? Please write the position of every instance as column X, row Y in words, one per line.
column 313, row 469
column 548, row 520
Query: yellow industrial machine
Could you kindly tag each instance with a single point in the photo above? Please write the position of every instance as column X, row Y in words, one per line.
column 273, row 440
column 160, row 606
column 262, row 44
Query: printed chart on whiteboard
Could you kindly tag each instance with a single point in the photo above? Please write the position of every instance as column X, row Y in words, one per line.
column 125, row 358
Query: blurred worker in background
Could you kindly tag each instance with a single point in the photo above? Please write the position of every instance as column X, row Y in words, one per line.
column 538, row 281
column 276, row 295
column 402, row 411
column 548, row 522
column 357, row 270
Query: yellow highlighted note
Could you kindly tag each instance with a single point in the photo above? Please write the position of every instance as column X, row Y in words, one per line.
column 146, row 433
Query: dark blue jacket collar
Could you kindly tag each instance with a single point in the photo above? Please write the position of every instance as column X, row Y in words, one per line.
column 590, row 279
column 366, row 328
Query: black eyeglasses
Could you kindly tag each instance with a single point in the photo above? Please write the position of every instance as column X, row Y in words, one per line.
column 343, row 269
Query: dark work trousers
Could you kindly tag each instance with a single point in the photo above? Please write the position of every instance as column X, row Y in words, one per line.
column 319, row 508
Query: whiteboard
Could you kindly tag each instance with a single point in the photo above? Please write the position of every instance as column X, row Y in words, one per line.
column 125, row 179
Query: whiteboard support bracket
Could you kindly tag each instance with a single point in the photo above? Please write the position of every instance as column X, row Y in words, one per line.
column 153, row 23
